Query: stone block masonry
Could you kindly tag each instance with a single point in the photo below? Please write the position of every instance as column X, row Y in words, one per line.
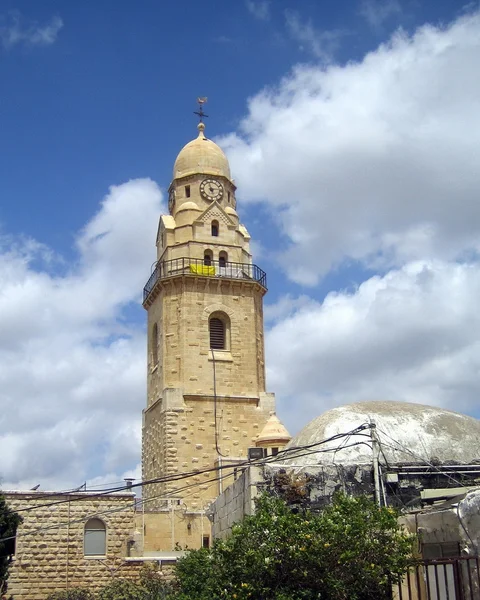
column 49, row 553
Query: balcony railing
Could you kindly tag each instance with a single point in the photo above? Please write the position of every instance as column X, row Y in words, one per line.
column 204, row 268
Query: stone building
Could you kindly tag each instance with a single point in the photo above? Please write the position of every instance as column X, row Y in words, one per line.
column 67, row 540
column 408, row 456
column 207, row 400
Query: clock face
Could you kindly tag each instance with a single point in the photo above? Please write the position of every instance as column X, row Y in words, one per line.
column 171, row 200
column 211, row 189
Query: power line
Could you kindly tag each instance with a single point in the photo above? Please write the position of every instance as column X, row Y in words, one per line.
column 407, row 450
column 179, row 476
column 260, row 462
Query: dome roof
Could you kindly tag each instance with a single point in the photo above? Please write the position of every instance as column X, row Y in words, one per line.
column 274, row 431
column 188, row 206
column 201, row 155
column 408, row 433
column 231, row 211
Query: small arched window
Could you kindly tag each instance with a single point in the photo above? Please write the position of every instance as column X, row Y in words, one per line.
column 215, row 228
column 217, row 334
column 219, row 330
column 95, row 538
column 207, row 257
column 155, row 345
column 222, row 259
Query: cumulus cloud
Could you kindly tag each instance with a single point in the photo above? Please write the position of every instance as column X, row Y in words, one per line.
column 14, row 31
column 410, row 335
column 72, row 357
column 372, row 162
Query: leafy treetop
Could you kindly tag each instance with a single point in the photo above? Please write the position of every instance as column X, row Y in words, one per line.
column 352, row 550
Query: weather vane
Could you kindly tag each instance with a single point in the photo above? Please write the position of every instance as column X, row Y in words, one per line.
column 201, row 101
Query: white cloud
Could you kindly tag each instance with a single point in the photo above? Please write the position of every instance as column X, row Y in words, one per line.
column 376, row 12
column 320, row 43
column 13, row 31
column 412, row 335
column 373, row 161
column 260, row 9
column 72, row 364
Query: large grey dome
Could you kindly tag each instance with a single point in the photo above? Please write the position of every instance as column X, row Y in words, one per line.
column 408, row 433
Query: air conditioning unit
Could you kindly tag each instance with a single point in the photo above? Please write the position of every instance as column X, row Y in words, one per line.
column 255, row 453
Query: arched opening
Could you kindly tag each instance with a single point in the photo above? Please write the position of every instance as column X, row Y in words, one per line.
column 95, row 538
column 219, row 330
column 215, row 228
column 222, row 259
column 207, row 257
column 154, row 346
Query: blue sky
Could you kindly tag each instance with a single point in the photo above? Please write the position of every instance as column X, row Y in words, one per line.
column 351, row 129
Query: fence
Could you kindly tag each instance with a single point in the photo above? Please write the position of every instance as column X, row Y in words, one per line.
column 205, row 267
column 442, row 579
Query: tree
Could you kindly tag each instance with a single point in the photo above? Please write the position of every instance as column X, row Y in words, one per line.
column 351, row 550
column 151, row 585
column 9, row 521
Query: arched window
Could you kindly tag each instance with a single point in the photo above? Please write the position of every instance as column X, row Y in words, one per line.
column 95, row 538
column 217, row 334
column 222, row 259
column 155, row 344
column 207, row 257
column 219, row 330
column 215, row 228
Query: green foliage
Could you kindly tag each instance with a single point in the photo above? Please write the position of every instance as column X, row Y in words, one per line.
column 122, row 589
column 352, row 550
column 154, row 585
column 9, row 521
column 72, row 594
column 196, row 575
column 151, row 586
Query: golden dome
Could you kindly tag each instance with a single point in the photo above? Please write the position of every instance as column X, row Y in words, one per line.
column 201, row 156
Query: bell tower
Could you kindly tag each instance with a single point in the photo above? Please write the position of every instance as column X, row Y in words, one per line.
column 206, row 397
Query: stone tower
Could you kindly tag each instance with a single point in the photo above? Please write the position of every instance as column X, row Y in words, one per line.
column 206, row 365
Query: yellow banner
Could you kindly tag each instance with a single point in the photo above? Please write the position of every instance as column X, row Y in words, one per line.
column 207, row 270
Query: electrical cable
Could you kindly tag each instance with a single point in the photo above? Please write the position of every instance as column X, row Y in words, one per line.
column 176, row 477
column 401, row 446
column 183, row 476
column 215, row 403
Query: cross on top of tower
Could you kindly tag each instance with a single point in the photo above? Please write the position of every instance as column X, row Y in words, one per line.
column 201, row 101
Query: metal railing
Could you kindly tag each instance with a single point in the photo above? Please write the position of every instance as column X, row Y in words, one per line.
column 204, row 268
column 442, row 579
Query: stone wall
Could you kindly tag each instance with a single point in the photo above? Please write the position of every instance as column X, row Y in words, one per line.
column 173, row 529
column 235, row 502
column 181, row 439
column 181, row 312
column 49, row 548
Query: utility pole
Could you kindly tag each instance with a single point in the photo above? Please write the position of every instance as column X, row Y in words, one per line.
column 376, row 453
